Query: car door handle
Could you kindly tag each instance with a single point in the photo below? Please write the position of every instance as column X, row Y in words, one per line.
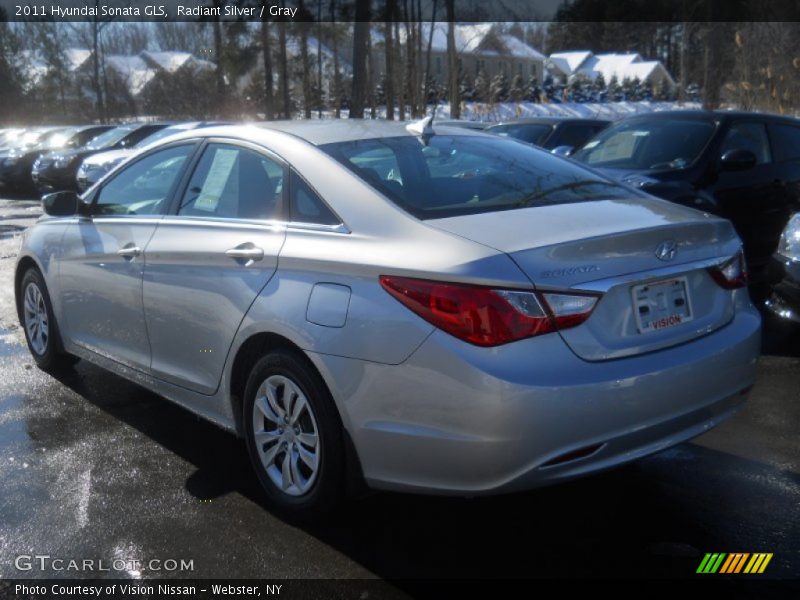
column 247, row 252
column 129, row 251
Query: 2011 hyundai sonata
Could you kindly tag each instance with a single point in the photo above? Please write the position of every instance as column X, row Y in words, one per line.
column 431, row 308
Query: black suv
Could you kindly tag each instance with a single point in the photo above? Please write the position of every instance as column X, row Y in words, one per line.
column 739, row 165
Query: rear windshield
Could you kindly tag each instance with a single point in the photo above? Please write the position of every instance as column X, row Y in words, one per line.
column 109, row 138
column 533, row 133
column 456, row 175
column 645, row 144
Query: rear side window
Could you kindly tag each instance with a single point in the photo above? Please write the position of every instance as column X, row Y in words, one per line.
column 785, row 142
column 748, row 136
column 307, row 207
column 456, row 175
column 234, row 183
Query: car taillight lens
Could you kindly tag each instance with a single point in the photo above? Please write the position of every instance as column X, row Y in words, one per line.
column 489, row 317
column 731, row 274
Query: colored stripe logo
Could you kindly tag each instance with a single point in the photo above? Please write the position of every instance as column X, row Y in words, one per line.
column 735, row 562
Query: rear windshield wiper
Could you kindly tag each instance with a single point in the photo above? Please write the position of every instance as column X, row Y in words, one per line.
column 528, row 200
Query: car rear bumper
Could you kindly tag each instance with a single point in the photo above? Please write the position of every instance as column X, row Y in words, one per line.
column 458, row 419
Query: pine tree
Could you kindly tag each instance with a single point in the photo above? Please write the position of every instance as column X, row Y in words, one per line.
column 517, row 91
column 534, row 91
column 498, row 89
column 481, row 87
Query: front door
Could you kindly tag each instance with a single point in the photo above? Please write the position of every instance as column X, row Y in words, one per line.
column 102, row 263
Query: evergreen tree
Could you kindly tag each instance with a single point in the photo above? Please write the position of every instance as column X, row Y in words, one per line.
column 481, row 87
column 498, row 89
column 534, row 91
column 517, row 91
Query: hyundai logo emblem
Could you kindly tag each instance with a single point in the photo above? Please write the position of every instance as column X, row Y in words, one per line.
column 666, row 250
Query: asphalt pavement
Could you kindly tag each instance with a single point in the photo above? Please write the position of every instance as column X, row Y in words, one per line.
column 95, row 467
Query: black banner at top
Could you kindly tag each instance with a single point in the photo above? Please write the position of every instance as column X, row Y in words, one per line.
column 389, row 10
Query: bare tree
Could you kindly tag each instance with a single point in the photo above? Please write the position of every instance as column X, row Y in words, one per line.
column 306, row 77
column 266, row 55
column 388, row 48
column 360, row 50
column 337, row 81
column 284, row 64
column 427, row 77
column 452, row 60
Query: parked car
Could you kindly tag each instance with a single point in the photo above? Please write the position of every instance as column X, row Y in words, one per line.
column 16, row 168
column 561, row 133
column 339, row 295
column 784, row 274
column 57, row 170
column 96, row 165
column 738, row 165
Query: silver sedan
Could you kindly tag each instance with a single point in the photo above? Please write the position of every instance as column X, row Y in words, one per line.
column 412, row 307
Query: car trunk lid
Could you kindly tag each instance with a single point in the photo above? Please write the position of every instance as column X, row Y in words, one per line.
column 610, row 247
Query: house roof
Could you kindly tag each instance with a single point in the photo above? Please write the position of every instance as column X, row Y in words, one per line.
column 75, row 57
column 569, row 62
column 133, row 69
column 480, row 39
column 609, row 65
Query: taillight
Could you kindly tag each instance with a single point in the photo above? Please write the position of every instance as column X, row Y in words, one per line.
column 731, row 274
column 489, row 317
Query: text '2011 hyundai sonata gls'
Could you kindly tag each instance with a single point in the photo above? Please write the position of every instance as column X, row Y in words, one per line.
column 428, row 309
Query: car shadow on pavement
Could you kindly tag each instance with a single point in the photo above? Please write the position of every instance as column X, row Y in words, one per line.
column 654, row 518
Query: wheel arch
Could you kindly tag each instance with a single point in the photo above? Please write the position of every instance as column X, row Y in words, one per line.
column 247, row 354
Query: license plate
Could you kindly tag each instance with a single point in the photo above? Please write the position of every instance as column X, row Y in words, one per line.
column 661, row 304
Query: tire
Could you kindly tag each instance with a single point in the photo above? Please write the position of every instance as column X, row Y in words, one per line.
column 310, row 484
column 39, row 324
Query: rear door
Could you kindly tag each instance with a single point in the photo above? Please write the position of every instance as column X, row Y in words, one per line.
column 210, row 258
column 754, row 199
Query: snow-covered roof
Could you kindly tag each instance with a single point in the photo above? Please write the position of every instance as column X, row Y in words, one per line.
column 133, row 69
column 472, row 39
column 519, row 49
column 609, row 65
column 569, row 62
column 75, row 57
column 171, row 61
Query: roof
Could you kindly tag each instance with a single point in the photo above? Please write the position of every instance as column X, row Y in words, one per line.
column 75, row 57
column 343, row 130
column 568, row 62
column 169, row 61
column 474, row 38
column 133, row 69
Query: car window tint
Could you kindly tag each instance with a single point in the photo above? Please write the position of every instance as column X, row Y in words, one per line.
column 785, row 142
column 748, row 136
column 234, row 183
column 143, row 187
column 307, row 207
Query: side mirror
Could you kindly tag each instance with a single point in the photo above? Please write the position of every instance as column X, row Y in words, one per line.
column 738, row 160
column 61, row 204
column 562, row 150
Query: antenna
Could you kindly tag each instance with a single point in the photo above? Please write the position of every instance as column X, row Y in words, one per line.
column 422, row 128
